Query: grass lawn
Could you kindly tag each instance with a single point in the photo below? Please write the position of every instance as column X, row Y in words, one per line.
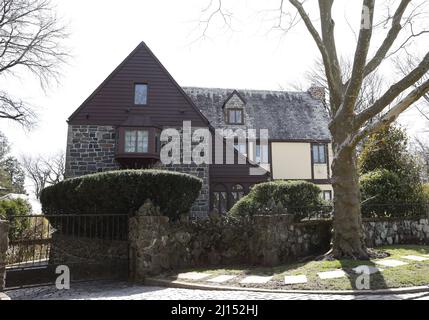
column 414, row 274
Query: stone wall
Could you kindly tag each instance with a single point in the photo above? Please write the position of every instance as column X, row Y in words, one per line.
column 382, row 232
column 4, row 230
column 90, row 149
column 158, row 245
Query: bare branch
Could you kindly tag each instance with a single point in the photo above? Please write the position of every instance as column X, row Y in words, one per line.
column 392, row 114
column 16, row 110
column 30, row 37
column 331, row 68
column 390, row 38
column 361, row 53
column 394, row 91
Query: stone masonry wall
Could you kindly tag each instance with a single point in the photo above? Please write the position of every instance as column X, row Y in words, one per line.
column 90, row 149
column 158, row 245
column 4, row 230
column 382, row 232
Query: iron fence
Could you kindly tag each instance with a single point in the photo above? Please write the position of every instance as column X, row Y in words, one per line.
column 39, row 243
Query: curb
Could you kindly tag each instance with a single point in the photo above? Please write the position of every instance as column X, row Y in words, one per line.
column 195, row 286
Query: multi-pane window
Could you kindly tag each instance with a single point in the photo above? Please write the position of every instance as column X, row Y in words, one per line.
column 319, row 153
column 220, row 202
column 235, row 116
column 237, row 193
column 136, row 141
column 261, row 154
column 140, row 94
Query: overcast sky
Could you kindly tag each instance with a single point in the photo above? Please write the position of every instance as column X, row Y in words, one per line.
column 104, row 32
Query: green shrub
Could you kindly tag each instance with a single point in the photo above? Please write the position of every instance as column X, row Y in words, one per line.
column 123, row 192
column 11, row 210
column 278, row 197
column 386, row 193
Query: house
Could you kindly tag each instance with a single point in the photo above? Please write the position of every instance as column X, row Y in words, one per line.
column 121, row 124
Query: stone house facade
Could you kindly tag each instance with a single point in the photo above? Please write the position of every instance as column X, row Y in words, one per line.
column 121, row 125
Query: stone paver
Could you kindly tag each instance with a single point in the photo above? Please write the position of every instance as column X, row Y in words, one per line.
column 221, row 279
column 367, row 269
column 295, row 279
column 125, row 291
column 332, row 274
column 391, row 263
column 255, row 280
column 415, row 258
column 193, row 276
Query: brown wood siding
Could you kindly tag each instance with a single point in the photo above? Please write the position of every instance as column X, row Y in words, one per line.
column 113, row 102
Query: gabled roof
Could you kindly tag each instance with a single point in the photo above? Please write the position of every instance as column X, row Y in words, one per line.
column 289, row 116
column 233, row 94
column 114, row 96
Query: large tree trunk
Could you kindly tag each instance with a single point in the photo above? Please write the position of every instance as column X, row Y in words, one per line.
column 348, row 237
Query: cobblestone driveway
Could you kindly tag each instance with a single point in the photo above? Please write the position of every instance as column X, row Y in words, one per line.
column 125, row 291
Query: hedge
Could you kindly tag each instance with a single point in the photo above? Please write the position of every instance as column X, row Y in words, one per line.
column 386, row 194
column 292, row 197
column 15, row 211
column 122, row 192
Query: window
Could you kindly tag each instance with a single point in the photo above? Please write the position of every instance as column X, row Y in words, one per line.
column 235, row 116
column 220, row 199
column 241, row 147
column 157, row 143
column 319, row 153
column 327, row 195
column 140, row 94
column 261, row 157
column 136, row 141
column 237, row 193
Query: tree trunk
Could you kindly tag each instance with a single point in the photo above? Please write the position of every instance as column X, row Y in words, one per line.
column 348, row 237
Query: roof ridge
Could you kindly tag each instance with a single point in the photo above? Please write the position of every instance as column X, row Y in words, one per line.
column 243, row 90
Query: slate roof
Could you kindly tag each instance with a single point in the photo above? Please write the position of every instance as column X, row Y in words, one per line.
column 287, row 115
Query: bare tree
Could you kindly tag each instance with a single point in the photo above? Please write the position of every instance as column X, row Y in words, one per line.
column 421, row 151
column 349, row 122
column 30, row 37
column 44, row 171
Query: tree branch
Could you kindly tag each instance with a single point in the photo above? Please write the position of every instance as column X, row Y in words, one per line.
column 393, row 92
column 361, row 53
column 388, row 42
column 330, row 68
column 392, row 114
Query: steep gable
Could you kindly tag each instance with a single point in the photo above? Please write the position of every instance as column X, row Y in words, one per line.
column 112, row 102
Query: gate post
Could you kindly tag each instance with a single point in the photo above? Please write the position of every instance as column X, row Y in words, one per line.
column 4, row 242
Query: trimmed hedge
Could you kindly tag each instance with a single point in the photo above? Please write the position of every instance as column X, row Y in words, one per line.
column 273, row 197
column 123, row 192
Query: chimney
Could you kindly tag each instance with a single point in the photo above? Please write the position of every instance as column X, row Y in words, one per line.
column 317, row 92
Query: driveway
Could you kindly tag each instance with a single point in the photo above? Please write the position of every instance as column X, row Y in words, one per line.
column 125, row 291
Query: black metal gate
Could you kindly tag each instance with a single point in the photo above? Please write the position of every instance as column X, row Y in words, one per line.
column 88, row 247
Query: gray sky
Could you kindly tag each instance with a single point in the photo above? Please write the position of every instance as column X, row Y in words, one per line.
column 104, row 32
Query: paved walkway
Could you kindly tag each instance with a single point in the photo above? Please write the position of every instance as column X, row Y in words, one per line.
column 125, row 291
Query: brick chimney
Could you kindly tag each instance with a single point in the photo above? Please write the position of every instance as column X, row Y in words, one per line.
column 317, row 92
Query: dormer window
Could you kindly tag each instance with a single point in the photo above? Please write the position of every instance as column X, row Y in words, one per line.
column 140, row 94
column 235, row 116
